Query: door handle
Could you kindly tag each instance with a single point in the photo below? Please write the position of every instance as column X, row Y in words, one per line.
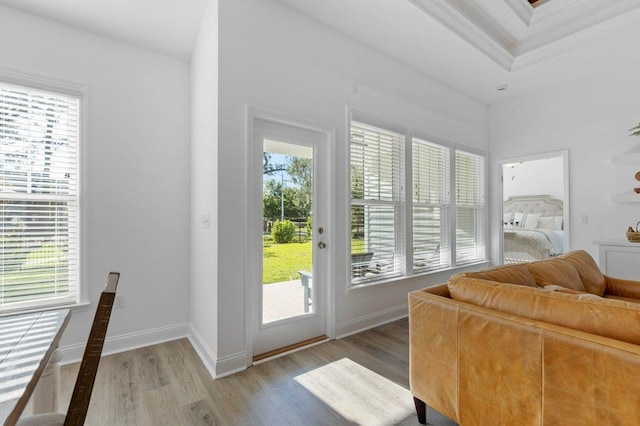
column 322, row 245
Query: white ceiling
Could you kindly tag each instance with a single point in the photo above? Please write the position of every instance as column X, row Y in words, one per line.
column 167, row 27
column 478, row 45
column 472, row 45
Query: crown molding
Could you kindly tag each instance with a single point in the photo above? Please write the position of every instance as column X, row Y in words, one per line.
column 452, row 18
column 553, row 27
column 522, row 9
column 559, row 46
column 551, row 9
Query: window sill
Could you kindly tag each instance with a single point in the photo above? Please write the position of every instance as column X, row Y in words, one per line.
column 80, row 306
column 395, row 280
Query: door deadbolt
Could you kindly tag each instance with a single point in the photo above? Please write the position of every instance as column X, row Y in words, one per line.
column 321, row 230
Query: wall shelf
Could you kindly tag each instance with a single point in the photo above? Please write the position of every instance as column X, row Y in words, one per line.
column 627, row 197
column 631, row 158
column 626, row 159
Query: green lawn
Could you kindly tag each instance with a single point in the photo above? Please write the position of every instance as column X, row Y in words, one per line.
column 357, row 245
column 281, row 262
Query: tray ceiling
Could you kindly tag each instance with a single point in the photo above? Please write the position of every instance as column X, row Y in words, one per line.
column 515, row 33
column 478, row 46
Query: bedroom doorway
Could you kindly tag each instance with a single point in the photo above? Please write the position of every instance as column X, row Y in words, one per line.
column 535, row 207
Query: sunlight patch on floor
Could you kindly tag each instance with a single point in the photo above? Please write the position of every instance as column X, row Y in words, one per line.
column 359, row 394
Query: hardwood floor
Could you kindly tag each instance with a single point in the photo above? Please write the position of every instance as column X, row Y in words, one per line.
column 359, row 380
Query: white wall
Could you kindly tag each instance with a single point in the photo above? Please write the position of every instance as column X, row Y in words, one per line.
column 591, row 119
column 136, row 173
column 204, row 188
column 535, row 177
column 274, row 57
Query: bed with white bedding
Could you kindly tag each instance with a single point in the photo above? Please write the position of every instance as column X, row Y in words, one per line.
column 533, row 228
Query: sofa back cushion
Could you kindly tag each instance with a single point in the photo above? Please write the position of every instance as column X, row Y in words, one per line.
column 616, row 319
column 556, row 271
column 513, row 274
column 592, row 279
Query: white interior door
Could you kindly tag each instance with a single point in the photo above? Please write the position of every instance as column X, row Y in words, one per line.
column 289, row 236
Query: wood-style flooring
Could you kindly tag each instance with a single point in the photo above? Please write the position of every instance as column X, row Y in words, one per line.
column 359, row 380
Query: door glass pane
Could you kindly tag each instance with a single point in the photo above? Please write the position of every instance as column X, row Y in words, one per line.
column 287, row 251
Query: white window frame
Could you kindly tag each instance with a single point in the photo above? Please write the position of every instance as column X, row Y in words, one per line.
column 405, row 228
column 480, row 206
column 444, row 204
column 398, row 203
column 35, row 81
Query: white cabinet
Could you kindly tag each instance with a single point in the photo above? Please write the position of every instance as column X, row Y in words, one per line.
column 620, row 259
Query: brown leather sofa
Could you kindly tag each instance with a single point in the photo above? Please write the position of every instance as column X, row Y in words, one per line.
column 552, row 342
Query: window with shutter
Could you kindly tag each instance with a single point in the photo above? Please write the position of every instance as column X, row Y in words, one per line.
column 39, row 208
column 376, row 209
column 430, row 206
column 470, row 207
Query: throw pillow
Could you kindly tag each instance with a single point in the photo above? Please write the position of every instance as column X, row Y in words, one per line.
column 508, row 219
column 546, row 222
column 531, row 221
column 557, row 223
column 518, row 219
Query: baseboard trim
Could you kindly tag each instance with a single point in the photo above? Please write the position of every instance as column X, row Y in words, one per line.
column 217, row 367
column 231, row 364
column 206, row 354
column 127, row 342
column 365, row 322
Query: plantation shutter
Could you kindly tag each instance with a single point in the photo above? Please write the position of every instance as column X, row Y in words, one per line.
column 39, row 135
column 376, row 219
column 470, row 207
column 430, row 188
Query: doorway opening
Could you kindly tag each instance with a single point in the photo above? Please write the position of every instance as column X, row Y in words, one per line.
column 535, row 203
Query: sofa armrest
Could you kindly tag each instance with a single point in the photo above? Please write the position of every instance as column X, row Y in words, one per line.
column 622, row 288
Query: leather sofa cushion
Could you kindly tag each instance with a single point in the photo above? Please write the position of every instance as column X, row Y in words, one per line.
column 612, row 318
column 556, row 271
column 513, row 274
column 553, row 287
column 592, row 279
column 626, row 299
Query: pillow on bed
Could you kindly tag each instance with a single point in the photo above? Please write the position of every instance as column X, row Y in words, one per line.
column 531, row 221
column 547, row 222
column 518, row 219
column 508, row 218
column 557, row 223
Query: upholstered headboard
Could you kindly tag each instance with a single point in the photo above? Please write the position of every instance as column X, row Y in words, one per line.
column 543, row 205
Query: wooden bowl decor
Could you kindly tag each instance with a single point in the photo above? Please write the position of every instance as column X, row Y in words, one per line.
column 638, row 179
column 633, row 236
